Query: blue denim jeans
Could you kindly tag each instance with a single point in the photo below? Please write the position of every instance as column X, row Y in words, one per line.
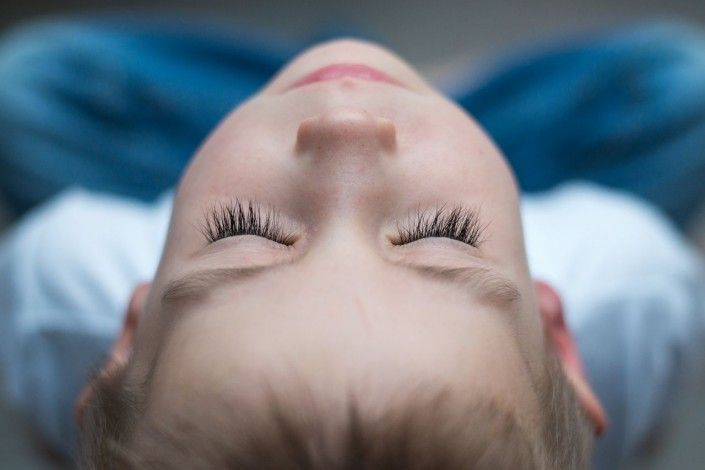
column 120, row 104
column 623, row 107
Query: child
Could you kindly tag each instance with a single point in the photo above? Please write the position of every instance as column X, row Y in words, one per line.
column 348, row 274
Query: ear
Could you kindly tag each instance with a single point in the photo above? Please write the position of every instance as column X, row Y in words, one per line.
column 561, row 339
column 121, row 348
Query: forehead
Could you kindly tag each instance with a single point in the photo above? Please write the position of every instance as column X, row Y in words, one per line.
column 323, row 309
column 406, row 329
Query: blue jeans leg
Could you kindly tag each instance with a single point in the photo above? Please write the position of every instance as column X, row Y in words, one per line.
column 118, row 104
column 623, row 107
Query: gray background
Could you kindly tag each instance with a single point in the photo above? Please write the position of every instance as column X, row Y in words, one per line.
column 434, row 35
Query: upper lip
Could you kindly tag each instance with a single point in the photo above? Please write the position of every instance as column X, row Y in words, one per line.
column 339, row 70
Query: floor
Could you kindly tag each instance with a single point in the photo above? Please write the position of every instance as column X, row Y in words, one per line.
column 431, row 35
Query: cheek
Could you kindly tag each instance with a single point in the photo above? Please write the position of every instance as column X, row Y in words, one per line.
column 242, row 162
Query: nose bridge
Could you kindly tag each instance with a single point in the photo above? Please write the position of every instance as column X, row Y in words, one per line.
column 342, row 152
column 344, row 248
column 346, row 132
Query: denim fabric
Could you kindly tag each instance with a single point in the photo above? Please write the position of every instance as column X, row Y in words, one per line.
column 118, row 106
column 623, row 107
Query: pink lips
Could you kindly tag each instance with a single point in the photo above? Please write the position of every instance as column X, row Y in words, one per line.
column 331, row 72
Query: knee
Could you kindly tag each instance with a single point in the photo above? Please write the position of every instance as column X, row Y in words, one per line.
column 661, row 42
column 33, row 43
column 33, row 53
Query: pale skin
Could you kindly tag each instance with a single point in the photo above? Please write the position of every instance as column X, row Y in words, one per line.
column 343, row 163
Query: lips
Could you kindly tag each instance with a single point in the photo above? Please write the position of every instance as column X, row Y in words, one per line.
column 334, row 71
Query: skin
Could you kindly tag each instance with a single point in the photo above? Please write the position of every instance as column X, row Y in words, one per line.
column 343, row 162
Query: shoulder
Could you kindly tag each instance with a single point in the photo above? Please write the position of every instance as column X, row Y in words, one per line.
column 634, row 294
column 589, row 230
column 618, row 264
column 66, row 271
column 81, row 250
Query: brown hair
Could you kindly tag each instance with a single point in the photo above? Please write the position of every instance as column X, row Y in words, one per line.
column 424, row 429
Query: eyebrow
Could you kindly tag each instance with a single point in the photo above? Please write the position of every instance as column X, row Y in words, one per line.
column 487, row 283
column 198, row 284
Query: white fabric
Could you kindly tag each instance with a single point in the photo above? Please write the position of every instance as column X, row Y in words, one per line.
column 634, row 296
column 632, row 290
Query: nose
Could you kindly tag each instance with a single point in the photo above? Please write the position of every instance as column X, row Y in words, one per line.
column 348, row 130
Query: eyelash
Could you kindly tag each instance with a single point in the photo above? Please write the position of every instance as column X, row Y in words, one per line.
column 458, row 223
column 248, row 218
column 245, row 218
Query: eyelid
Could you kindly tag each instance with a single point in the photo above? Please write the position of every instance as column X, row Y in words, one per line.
column 457, row 223
column 438, row 251
column 442, row 242
column 245, row 249
column 246, row 242
column 237, row 218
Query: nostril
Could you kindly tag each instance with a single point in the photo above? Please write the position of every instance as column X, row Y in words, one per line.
column 387, row 132
column 305, row 134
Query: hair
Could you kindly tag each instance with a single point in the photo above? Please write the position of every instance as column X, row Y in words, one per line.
column 427, row 428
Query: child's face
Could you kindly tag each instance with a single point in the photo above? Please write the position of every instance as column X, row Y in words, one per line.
column 345, row 163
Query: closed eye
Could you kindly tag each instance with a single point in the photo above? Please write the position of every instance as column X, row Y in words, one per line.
column 457, row 223
column 237, row 218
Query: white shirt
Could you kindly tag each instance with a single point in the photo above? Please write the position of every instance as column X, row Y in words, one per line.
column 633, row 293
